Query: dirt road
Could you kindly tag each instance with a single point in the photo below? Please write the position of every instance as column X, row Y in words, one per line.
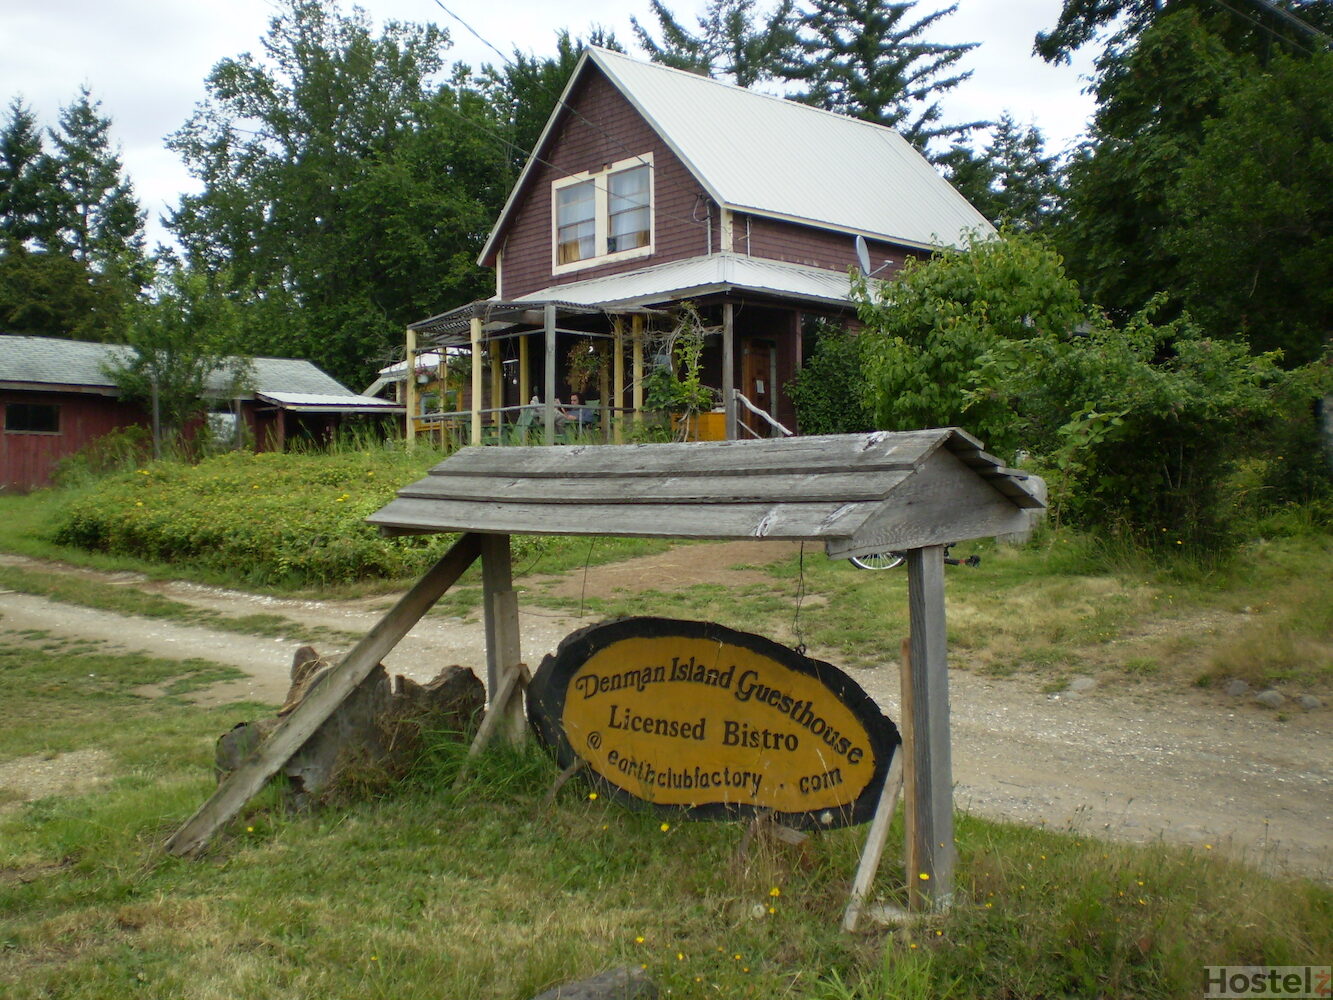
column 1134, row 762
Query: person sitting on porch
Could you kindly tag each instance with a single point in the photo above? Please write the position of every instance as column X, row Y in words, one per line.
column 577, row 411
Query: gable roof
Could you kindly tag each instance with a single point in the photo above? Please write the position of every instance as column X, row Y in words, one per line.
column 772, row 157
column 50, row 363
column 856, row 493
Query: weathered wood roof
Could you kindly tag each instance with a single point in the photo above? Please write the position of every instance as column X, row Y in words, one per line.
column 856, row 493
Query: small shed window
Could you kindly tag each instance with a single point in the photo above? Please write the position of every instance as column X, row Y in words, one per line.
column 32, row 418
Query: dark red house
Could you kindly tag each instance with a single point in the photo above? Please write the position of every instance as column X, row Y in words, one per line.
column 56, row 397
column 651, row 187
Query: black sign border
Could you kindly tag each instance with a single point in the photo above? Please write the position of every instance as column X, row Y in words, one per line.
column 550, row 686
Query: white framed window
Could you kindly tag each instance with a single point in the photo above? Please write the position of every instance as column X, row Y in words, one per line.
column 603, row 216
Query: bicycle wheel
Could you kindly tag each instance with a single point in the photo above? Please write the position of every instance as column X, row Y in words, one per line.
column 878, row 560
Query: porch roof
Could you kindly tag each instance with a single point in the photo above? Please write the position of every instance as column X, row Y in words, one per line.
column 641, row 290
column 856, row 493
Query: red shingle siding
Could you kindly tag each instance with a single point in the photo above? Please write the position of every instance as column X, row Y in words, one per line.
column 797, row 244
column 27, row 459
column 619, row 133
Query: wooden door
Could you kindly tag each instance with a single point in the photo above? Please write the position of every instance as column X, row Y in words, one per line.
column 759, row 368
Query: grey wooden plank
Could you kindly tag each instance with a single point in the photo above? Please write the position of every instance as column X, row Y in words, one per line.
column 875, row 839
column 944, row 501
column 800, row 487
column 930, row 816
column 500, row 608
column 776, row 455
column 232, row 795
column 736, row 521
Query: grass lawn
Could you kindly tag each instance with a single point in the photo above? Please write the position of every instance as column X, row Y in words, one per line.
column 422, row 891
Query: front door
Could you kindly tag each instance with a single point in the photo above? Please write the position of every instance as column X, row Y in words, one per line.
column 759, row 370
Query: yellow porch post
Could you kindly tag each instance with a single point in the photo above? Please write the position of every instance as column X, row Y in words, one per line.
column 477, row 383
column 637, row 329
column 410, row 388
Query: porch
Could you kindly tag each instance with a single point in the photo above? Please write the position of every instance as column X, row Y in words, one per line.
column 504, row 372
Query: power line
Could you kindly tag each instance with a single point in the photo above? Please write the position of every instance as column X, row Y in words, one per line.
column 1265, row 27
column 561, row 103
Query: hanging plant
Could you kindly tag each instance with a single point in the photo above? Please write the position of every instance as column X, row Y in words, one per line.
column 585, row 363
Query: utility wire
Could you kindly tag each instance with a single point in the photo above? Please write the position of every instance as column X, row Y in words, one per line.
column 561, row 103
column 1261, row 26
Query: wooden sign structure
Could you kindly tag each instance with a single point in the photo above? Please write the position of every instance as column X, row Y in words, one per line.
column 699, row 720
column 857, row 494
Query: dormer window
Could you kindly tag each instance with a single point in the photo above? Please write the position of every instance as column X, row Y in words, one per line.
column 603, row 216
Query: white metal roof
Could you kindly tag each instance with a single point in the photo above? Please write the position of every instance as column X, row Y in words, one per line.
column 700, row 276
column 317, row 402
column 50, row 362
column 769, row 156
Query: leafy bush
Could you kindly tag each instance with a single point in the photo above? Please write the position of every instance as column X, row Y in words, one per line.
column 117, row 451
column 1143, row 425
column 267, row 518
column 828, row 390
column 927, row 330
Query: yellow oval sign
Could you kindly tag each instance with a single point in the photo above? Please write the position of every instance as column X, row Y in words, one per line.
column 697, row 717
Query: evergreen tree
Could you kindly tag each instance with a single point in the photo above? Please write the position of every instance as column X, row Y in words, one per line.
column 99, row 219
column 868, row 59
column 1012, row 182
column 26, row 184
column 734, row 40
column 47, row 294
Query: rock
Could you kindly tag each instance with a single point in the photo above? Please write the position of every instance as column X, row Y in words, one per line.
column 619, row 984
column 1270, row 698
column 1237, row 688
column 1309, row 702
column 371, row 738
column 1082, row 684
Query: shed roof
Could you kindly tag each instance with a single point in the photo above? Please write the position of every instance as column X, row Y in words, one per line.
column 769, row 156
column 856, row 493
column 51, row 363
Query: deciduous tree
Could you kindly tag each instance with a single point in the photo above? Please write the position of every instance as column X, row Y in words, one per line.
column 345, row 189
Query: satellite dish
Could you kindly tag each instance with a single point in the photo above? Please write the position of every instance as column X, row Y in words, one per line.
column 863, row 255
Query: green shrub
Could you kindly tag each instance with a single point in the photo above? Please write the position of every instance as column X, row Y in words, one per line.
column 1142, row 425
column 829, row 389
column 117, row 451
column 266, row 518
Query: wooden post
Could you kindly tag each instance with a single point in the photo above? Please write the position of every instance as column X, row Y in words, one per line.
column 604, row 390
column 291, row 734
column 874, row 849
column 548, row 373
column 729, row 370
column 410, row 387
column 618, row 377
column 636, row 383
column 929, row 849
column 524, row 376
column 475, row 434
column 503, row 654
column 495, row 353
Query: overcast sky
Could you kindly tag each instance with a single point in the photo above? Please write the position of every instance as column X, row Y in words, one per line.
column 146, row 60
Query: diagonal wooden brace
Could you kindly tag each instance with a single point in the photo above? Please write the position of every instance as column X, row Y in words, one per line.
column 232, row 795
